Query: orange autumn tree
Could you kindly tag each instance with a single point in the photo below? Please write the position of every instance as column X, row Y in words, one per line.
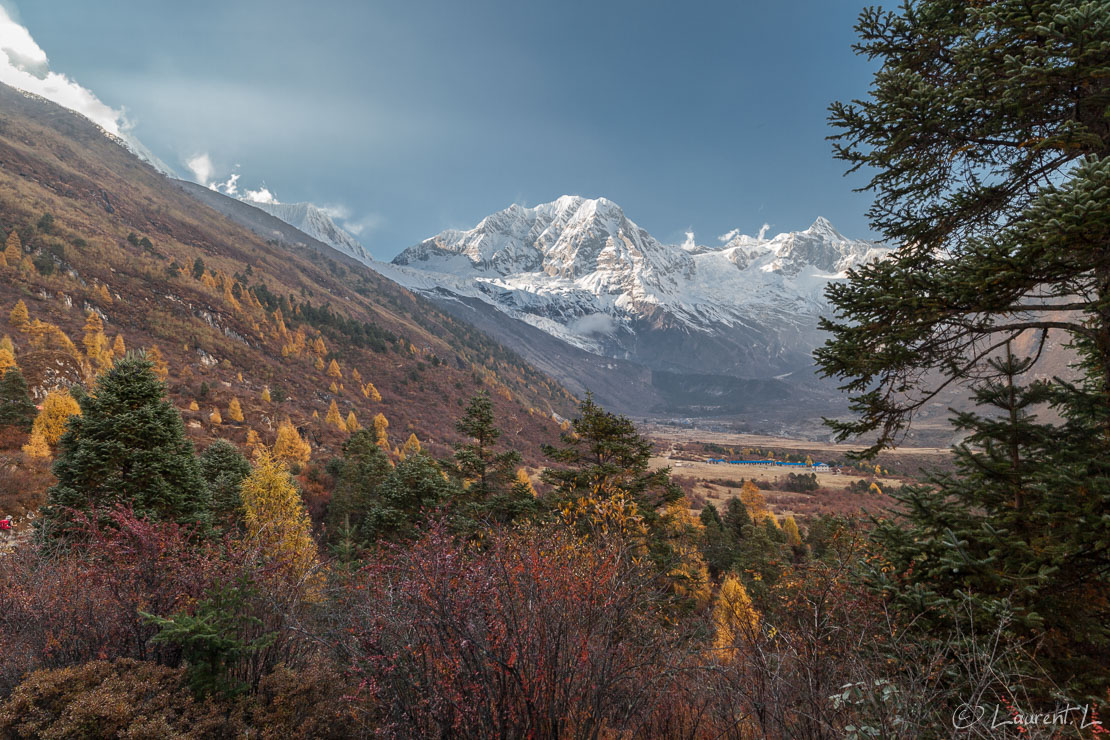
column 381, row 437
column 735, row 620
column 334, row 418
column 234, row 410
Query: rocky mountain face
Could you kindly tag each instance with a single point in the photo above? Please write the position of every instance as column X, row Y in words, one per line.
column 313, row 221
column 580, row 271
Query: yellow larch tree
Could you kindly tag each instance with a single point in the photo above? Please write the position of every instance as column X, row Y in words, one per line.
column 356, row 375
column 101, row 292
column 790, row 529
column 289, row 448
column 161, row 369
column 234, row 410
column 372, row 393
column 118, row 347
column 318, row 363
column 94, row 340
column 276, row 519
column 36, row 447
column 253, row 442
column 265, row 395
column 735, row 620
column 333, row 370
column 19, row 317
column 194, row 406
column 7, row 360
column 215, row 417
column 381, row 437
column 333, row 387
column 753, row 498
column 410, row 447
column 319, row 347
column 523, row 482
column 6, row 343
column 57, row 407
column 334, row 418
column 352, row 422
column 13, row 249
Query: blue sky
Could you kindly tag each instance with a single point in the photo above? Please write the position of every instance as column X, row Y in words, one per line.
column 411, row 117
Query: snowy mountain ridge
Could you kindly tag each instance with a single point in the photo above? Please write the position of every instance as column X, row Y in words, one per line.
column 581, row 270
column 315, row 222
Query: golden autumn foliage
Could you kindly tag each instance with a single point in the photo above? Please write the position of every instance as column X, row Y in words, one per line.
column 101, row 292
column 334, row 371
column 753, row 498
column 790, row 528
column 319, row 347
column 318, row 363
column 352, row 422
column 372, row 393
column 265, row 395
column 57, row 407
column 19, row 317
column 334, row 418
column 7, row 360
column 161, row 369
column 94, row 340
column 734, row 618
column 37, row 447
column 6, row 343
column 333, row 387
column 289, row 448
column 13, row 249
column 119, row 349
column 234, row 410
column 524, row 481
column 215, row 417
column 410, row 447
column 276, row 518
column 253, row 442
column 381, row 437
column 356, row 375
column 194, row 406
column 689, row 573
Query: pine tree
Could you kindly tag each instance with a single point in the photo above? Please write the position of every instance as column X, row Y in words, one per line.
column 19, row 317
column 234, row 410
column 223, row 469
column 275, row 517
column 603, row 454
column 362, row 469
column 485, row 475
column 412, row 491
column 57, row 408
column 16, row 407
column 1016, row 531
column 289, row 448
column 127, row 446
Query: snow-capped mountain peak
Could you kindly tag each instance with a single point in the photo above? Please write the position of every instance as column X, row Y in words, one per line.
column 581, row 270
column 315, row 222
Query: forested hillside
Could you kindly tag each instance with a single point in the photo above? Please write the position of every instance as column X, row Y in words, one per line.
column 283, row 331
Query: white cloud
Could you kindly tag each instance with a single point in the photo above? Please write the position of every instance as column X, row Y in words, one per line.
column 336, row 212
column 763, row 231
column 201, row 167
column 689, row 243
column 24, row 65
column 262, row 195
column 365, row 224
column 725, row 238
column 229, row 186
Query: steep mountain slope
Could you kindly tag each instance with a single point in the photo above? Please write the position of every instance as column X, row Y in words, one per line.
column 232, row 312
column 581, row 271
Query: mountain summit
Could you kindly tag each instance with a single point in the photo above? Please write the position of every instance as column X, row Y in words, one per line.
column 581, row 271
